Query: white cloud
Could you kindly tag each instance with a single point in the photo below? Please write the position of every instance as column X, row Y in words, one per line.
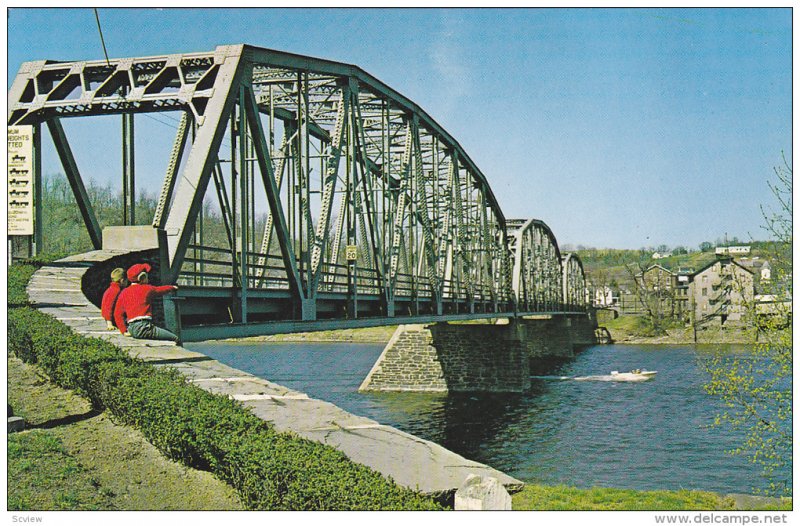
column 450, row 63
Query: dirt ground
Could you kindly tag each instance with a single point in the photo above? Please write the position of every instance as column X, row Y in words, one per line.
column 128, row 469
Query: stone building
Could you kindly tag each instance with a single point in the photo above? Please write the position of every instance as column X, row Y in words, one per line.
column 668, row 287
column 720, row 290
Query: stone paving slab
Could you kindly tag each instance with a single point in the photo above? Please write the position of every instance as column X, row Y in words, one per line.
column 240, row 388
column 207, row 369
column 411, row 461
column 305, row 414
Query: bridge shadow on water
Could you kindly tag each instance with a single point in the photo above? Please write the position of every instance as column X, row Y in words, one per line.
column 476, row 425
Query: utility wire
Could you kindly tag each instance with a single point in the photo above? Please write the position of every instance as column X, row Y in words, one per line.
column 102, row 41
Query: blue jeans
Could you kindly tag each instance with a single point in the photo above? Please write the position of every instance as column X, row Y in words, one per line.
column 147, row 330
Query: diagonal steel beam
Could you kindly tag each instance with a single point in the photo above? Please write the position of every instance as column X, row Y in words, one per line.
column 266, row 240
column 399, row 212
column 273, row 196
column 366, row 181
column 172, row 171
column 75, row 181
column 421, row 198
column 331, row 176
column 344, row 202
column 226, row 212
column 191, row 187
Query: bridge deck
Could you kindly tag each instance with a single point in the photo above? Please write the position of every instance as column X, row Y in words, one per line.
column 410, row 461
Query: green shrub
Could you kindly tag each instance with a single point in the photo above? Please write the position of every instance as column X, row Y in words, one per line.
column 79, row 363
column 18, row 277
column 270, row 470
column 19, row 339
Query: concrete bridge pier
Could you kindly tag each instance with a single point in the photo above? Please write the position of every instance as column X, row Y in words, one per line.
column 475, row 357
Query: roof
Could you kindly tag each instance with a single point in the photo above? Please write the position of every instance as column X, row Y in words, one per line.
column 721, row 260
column 655, row 266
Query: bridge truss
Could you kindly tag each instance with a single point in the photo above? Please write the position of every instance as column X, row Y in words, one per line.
column 340, row 200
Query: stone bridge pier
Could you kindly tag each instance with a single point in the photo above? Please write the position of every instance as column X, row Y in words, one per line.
column 476, row 357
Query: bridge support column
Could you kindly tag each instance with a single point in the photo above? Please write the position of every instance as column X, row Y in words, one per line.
column 308, row 309
column 475, row 357
column 451, row 358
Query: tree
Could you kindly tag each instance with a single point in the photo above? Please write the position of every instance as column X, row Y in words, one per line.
column 706, row 246
column 655, row 295
column 757, row 389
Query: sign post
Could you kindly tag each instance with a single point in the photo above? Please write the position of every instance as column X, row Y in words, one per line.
column 20, row 183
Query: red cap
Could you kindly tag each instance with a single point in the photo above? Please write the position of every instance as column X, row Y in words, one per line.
column 135, row 270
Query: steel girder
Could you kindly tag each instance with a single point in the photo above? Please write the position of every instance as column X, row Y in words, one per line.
column 537, row 280
column 427, row 232
column 574, row 282
column 417, row 228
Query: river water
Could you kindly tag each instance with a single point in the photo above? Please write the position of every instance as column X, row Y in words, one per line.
column 650, row 435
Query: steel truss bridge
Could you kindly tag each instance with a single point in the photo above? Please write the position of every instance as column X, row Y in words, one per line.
column 338, row 201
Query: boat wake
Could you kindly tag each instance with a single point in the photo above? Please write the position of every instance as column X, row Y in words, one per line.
column 633, row 376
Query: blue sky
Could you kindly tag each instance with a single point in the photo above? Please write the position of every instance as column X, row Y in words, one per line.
column 619, row 128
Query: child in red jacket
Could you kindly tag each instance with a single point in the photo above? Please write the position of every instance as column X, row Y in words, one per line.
column 134, row 314
column 110, row 296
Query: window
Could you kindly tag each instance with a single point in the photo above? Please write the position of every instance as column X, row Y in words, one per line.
column 705, row 279
column 705, row 291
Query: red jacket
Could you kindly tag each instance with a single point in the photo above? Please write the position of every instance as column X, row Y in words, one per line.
column 134, row 302
column 109, row 299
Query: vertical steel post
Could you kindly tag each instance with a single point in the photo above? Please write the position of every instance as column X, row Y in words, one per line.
column 309, row 227
column 38, row 225
column 234, row 200
column 128, row 171
column 244, row 205
column 199, row 237
column 350, row 188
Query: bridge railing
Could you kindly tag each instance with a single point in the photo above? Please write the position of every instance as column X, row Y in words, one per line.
column 216, row 267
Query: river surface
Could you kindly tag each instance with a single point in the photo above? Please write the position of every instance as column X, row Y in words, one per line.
column 649, row 435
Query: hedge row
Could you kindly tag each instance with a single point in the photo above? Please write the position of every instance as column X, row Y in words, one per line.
column 269, row 470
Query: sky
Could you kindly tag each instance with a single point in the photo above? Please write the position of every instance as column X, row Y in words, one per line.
column 619, row 128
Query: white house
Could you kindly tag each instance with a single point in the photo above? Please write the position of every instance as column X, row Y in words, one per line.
column 730, row 251
column 603, row 297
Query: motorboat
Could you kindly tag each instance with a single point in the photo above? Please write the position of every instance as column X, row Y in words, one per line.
column 636, row 375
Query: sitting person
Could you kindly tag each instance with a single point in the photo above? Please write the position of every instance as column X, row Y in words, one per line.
column 110, row 296
column 134, row 314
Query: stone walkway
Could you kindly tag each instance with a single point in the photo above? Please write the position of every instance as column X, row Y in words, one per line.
column 410, row 461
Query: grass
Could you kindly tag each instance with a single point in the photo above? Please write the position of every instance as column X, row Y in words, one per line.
column 42, row 475
column 364, row 335
column 632, row 328
column 80, row 460
column 559, row 498
column 627, row 325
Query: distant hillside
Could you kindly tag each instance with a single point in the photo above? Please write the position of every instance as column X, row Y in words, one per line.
column 607, row 266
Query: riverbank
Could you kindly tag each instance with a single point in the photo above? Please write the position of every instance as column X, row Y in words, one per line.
column 631, row 329
column 365, row 335
column 627, row 329
column 621, row 332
